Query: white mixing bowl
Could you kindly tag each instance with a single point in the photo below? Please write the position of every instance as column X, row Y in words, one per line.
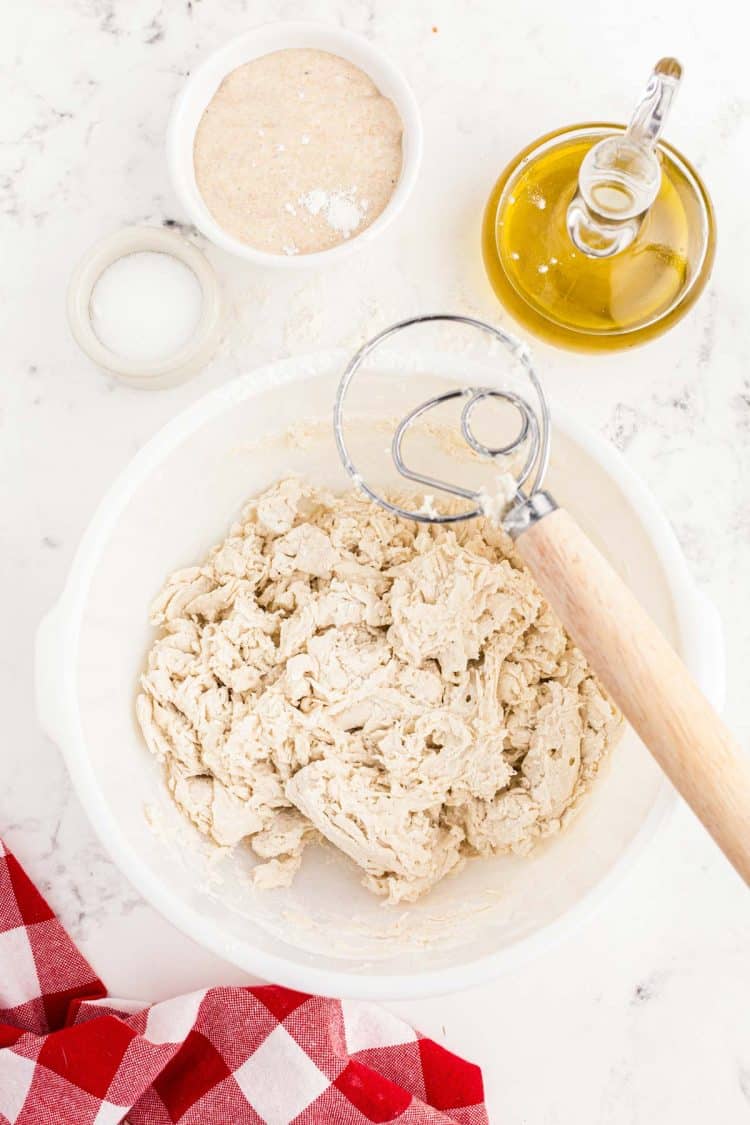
column 326, row 933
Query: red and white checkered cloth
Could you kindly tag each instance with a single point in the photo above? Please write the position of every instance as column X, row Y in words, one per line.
column 227, row 1056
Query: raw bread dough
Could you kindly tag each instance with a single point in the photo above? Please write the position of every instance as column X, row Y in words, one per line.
column 401, row 689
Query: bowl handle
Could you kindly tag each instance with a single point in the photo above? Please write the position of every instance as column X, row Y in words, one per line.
column 49, row 668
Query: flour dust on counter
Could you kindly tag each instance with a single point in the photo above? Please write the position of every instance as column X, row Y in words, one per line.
column 399, row 689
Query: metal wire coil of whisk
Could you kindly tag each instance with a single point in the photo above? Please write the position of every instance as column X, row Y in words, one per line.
column 534, row 428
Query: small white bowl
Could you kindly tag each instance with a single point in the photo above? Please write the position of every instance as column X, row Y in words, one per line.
column 146, row 374
column 205, row 81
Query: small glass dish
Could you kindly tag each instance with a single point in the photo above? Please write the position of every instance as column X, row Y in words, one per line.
column 187, row 359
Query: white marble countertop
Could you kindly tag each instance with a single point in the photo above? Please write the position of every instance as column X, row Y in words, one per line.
column 643, row 1017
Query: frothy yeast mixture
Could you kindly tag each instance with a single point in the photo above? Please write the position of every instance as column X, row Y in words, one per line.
column 297, row 151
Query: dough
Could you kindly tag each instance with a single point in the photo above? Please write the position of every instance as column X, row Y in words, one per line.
column 401, row 689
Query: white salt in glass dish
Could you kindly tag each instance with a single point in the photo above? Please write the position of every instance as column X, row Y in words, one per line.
column 144, row 304
column 326, row 933
column 205, row 81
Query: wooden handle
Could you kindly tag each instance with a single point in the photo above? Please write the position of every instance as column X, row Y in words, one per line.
column 646, row 679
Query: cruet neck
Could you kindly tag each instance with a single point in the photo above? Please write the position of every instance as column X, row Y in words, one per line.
column 619, row 177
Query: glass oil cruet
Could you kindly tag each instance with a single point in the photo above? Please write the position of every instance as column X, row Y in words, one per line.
column 598, row 236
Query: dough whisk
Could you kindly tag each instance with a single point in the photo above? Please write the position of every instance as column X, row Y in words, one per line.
column 624, row 647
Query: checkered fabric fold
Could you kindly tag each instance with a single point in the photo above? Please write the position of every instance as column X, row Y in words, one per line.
column 69, row 1053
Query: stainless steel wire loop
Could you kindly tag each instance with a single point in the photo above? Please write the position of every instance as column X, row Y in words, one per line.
column 534, row 424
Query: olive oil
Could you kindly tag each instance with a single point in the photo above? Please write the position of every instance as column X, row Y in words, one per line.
column 564, row 295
